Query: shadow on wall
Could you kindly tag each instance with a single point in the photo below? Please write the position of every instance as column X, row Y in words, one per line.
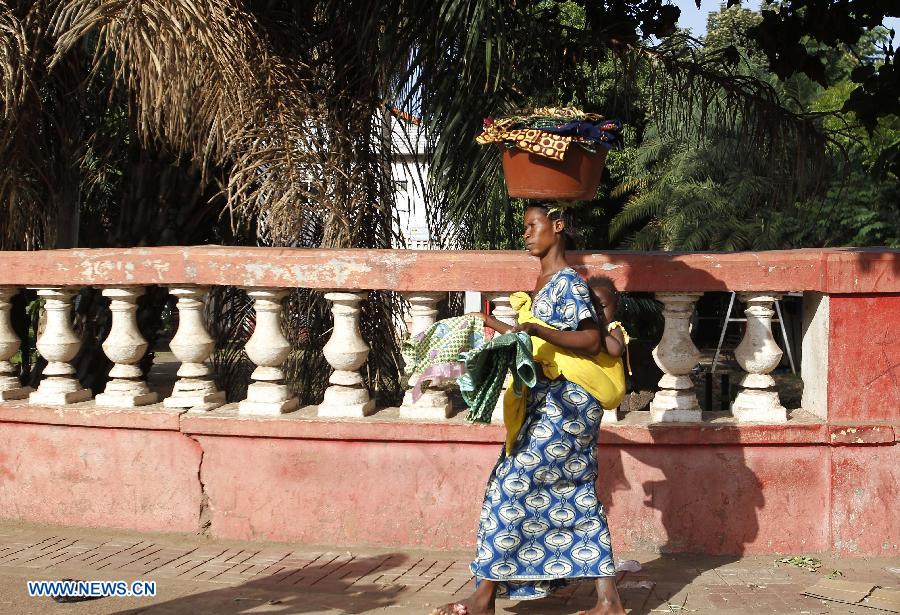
column 874, row 258
column 698, row 511
column 694, row 510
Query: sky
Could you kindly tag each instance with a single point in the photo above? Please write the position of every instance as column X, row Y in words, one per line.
column 695, row 19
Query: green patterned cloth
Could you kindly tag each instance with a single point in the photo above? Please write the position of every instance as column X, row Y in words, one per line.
column 435, row 353
column 486, row 369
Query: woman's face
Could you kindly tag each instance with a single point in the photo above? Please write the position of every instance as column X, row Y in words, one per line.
column 541, row 233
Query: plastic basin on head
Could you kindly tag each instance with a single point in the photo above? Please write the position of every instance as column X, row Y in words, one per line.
column 575, row 178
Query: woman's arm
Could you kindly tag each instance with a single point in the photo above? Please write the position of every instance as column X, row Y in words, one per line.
column 587, row 340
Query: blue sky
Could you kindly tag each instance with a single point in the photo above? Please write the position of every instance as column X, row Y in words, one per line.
column 695, row 19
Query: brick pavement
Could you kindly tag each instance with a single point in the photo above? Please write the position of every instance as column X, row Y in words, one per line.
column 196, row 575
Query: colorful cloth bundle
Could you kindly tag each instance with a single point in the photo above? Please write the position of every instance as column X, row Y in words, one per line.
column 486, row 369
column 434, row 354
column 549, row 131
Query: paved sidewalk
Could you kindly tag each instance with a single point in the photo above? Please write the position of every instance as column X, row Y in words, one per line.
column 197, row 576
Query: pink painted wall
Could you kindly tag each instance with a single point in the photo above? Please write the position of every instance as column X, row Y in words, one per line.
column 408, row 491
column 865, row 499
column 864, row 333
column 716, row 499
column 722, row 499
column 338, row 492
column 121, row 478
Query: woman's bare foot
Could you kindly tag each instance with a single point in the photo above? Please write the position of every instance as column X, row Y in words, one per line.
column 608, row 602
column 605, row 608
column 463, row 607
column 479, row 603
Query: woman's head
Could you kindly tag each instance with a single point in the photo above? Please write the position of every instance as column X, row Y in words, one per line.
column 546, row 228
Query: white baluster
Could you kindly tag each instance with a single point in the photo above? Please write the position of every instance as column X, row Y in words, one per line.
column 758, row 354
column 346, row 352
column 268, row 348
column 59, row 344
column 503, row 312
column 423, row 310
column 192, row 345
column 434, row 403
column 502, row 309
column 676, row 355
column 10, row 387
column 125, row 346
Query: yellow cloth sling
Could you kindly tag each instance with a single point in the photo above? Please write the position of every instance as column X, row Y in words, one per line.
column 602, row 376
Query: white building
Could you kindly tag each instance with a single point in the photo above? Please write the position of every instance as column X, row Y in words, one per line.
column 410, row 174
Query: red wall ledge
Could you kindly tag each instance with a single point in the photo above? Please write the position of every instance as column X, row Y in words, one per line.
column 670, row 434
column 833, row 271
column 87, row 414
column 226, row 422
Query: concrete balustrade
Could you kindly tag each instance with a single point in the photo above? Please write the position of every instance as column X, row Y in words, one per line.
column 125, row 346
column 502, row 310
column 423, row 278
column 434, row 404
column 192, row 345
column 346, row 352
column 58, row 343
column 10, row 387
column 267, row 348
column 676, row 355
column 758, row 354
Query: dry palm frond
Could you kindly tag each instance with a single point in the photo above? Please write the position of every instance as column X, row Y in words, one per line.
column 210, row 81
column 14, row 59
column 21, row 207
column 204, row 84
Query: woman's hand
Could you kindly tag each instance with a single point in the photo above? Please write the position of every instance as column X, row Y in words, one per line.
column 530, row 328
column 491, row 322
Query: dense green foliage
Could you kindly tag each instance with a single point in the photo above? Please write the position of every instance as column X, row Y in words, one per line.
column 682, row 191
column 697, row 194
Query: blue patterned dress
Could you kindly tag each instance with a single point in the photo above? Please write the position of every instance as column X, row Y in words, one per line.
column 541, row 524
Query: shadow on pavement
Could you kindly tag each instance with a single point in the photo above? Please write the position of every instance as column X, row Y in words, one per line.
column 311, row 589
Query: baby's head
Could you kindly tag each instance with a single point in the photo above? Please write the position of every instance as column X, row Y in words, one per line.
column 603, row 291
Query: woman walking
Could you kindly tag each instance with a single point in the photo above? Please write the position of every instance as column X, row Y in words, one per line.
column 541, row 524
